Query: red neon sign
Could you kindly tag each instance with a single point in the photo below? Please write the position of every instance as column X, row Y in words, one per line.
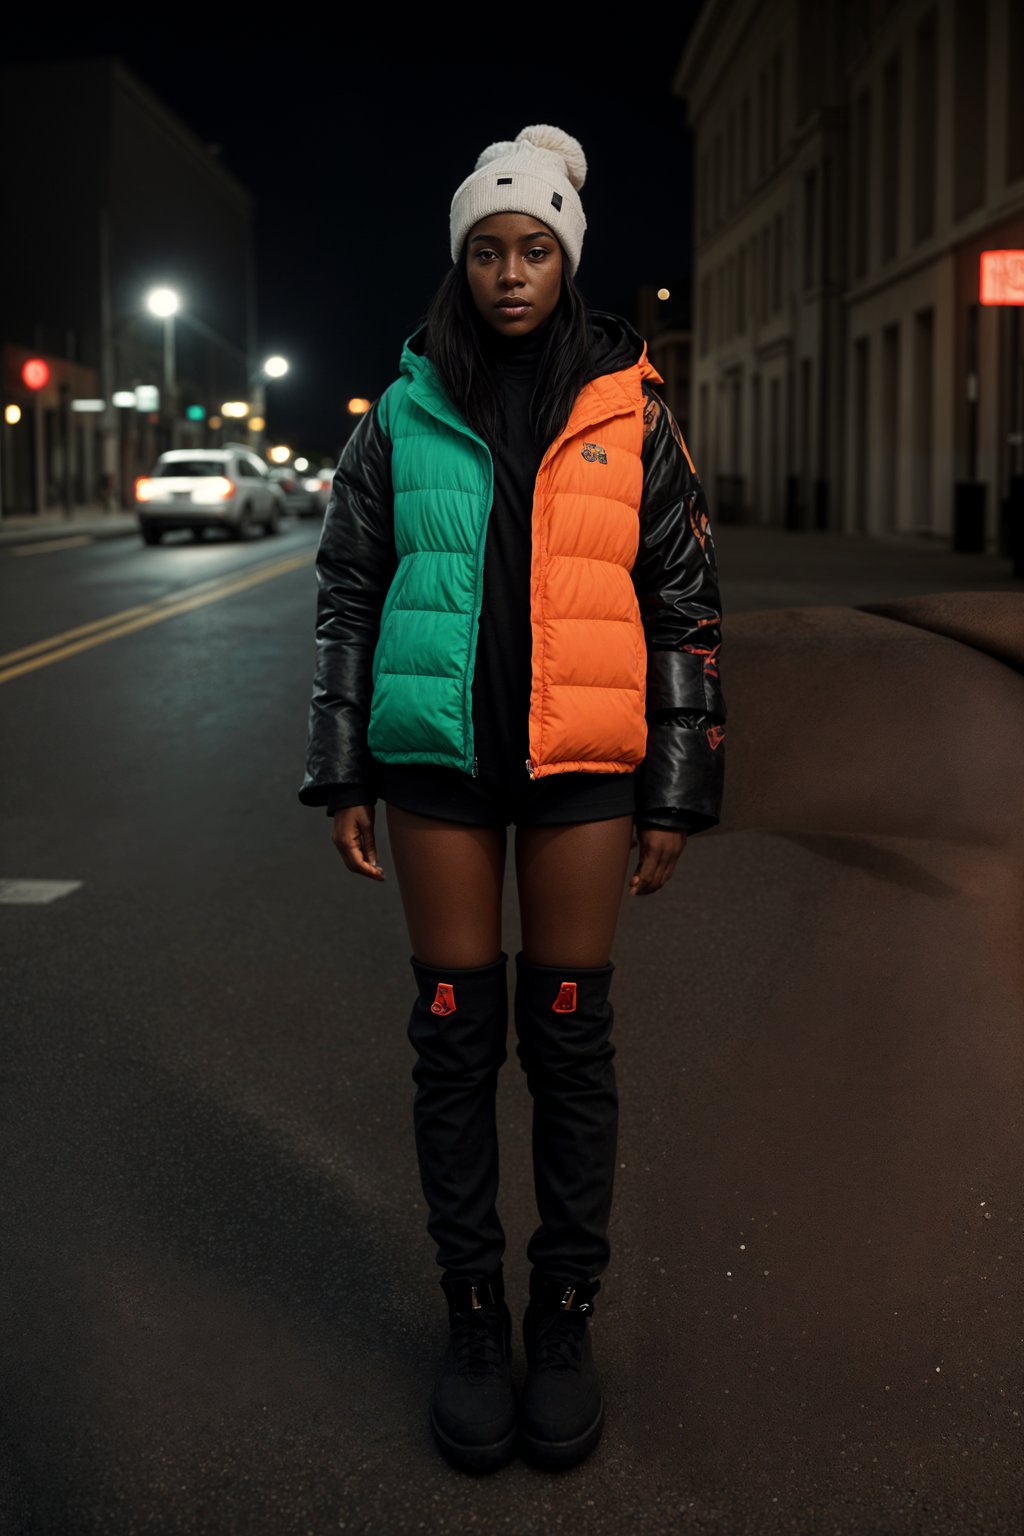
column 1002, row 277
column 35, row 373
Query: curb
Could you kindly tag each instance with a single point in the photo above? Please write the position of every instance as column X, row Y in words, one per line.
column 25, row 535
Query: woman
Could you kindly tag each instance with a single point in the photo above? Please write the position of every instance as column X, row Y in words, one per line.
column 517, row 621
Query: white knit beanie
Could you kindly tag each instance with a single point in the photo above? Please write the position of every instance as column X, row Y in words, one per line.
column 540, row 172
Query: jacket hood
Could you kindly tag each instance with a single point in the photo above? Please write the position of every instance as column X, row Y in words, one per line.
column 614, row 345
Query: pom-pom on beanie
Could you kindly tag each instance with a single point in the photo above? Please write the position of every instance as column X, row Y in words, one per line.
column 540, row 172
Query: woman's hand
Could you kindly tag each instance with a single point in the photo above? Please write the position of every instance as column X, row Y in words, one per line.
column 660, row 851
column 352, row 835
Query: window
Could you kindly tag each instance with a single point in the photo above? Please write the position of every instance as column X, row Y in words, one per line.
column 191, row 468
column 741, row 291
column 717, row 194
column 777, row 107
column 777, row 267
column 862, row 153
column 810, row 221
column 825, row 259
column 1015, row 96
column 891, row 158
column 926, row 123
column 745, row 145
column 766, row 273
column 730, row 162
column 762, row 120
column 970, row 37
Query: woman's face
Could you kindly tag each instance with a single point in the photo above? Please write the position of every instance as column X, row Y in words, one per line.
column 514, row 266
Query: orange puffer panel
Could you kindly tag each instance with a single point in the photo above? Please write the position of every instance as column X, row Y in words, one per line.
column 589, row 653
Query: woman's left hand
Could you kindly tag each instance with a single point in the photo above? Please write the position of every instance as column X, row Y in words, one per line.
column 660, row 851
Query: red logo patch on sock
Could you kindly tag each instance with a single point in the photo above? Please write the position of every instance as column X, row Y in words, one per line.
column 565, row 1002
column 444, row 1000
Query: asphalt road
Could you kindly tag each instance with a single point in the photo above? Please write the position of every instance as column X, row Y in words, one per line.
column 220, row 1309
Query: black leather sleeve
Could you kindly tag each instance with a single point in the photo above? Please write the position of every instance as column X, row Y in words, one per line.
column 345, row 795
column 355, row 563
column 681, row 779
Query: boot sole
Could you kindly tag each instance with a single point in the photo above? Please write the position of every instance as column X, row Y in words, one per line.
column 563, row 1453
column 474, row 1458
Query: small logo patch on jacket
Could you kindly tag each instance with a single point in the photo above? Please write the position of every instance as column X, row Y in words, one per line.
column 565, row 1002
column 594, row 453
column 444, row 1000
column 714, row 734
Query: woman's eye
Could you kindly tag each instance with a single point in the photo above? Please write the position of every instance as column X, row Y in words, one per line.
column 539, row 250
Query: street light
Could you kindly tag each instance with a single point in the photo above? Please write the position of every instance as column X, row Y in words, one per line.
column 165, row 303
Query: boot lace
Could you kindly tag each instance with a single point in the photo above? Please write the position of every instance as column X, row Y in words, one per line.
column 476, row 1346
column 558, row 1342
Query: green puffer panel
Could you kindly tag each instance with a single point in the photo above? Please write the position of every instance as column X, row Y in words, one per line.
column 443, row 481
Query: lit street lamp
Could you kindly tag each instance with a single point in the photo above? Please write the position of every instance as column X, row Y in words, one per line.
column 165, row 303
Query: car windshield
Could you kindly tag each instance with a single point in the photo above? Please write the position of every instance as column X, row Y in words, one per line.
column 191, row 467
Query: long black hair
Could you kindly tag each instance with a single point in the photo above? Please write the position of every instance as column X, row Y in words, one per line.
column 453, row 344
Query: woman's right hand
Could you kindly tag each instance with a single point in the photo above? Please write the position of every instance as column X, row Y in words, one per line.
column 352, row 835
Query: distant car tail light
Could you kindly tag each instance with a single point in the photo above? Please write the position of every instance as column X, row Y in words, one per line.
column 313, row 485
column 143, row 488
column 223, row 487
column 288, row 484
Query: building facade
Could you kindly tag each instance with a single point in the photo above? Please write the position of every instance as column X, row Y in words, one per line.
column 853, row 158
column 108, row 195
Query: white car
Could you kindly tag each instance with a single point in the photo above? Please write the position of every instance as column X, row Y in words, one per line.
column 199, row 488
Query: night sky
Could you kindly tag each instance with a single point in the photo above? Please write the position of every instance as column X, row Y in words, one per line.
column 353, row 137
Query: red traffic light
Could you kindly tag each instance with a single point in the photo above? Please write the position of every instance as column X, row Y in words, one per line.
column 35, row 373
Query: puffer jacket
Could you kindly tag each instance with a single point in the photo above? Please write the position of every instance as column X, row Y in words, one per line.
column 624, row 592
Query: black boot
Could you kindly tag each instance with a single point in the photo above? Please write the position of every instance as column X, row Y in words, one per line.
column 561, row 1413
column 473, row 1406
column 459, row 1028
column 563, row 1020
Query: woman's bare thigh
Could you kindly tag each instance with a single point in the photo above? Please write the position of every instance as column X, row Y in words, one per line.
column 571, row 880
column 450, row 877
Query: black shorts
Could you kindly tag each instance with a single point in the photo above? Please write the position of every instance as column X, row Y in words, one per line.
column 452, row 795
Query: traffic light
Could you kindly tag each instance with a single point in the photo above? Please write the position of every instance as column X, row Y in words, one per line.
column 35, row 373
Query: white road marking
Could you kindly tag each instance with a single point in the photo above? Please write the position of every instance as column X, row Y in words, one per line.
column 34, row 893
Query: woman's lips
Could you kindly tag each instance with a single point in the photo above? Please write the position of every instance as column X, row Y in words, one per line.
column 513, row 311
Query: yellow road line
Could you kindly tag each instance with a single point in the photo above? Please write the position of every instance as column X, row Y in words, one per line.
column 48, row 545
column 132, row 619
column 110, row 619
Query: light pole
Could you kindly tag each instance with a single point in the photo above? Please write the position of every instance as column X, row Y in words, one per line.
column 165, row 303
column 272, row 368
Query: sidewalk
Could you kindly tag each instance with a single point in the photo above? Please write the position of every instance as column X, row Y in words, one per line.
column 90, row 522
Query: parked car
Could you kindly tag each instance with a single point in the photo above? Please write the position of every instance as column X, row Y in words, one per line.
column 303, row 493
column 200, row 488
column 324, row 479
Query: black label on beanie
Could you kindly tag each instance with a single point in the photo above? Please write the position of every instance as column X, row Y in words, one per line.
column 556, row 200
column 504, row 181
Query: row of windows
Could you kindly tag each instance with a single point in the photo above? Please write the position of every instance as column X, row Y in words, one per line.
column 726, row 170
column 910, row 82
column 752, row 280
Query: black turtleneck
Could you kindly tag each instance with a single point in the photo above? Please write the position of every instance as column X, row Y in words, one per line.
column 501, row 680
